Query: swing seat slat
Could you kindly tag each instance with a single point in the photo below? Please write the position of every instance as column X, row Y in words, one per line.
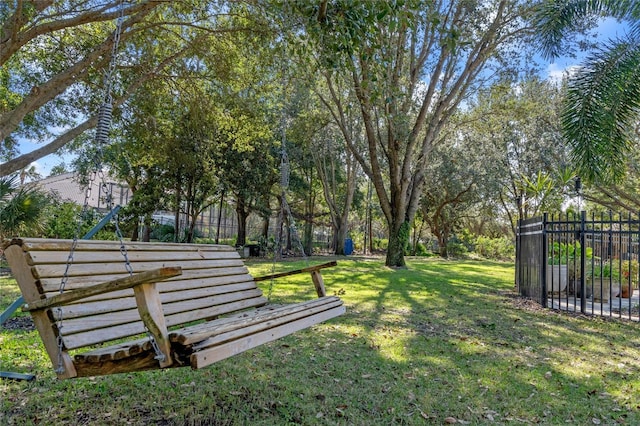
column 198, row 301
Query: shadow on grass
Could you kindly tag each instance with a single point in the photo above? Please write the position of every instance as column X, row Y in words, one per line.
column 438, row 342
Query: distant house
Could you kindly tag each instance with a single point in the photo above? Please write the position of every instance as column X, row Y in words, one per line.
column 103, row 194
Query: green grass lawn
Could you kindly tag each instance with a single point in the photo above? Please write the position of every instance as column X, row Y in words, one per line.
column 440, row 342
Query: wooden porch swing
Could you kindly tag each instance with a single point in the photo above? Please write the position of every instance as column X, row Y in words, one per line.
column 198, row 302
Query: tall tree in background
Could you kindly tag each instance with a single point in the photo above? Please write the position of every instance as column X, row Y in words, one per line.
column 452, row 189
column 516, row 124
column 409, row 65
column 339, row 174
column 603, row 98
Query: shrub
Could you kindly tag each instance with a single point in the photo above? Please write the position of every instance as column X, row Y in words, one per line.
column 421, row 249
column 380, row 243
column 456, row 249
column 62, row 221
column 164, row 233
column 495, row 248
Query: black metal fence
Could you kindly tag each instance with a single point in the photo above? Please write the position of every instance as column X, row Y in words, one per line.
column 579, row 263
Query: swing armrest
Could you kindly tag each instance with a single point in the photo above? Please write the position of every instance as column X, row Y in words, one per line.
column 296, row 271
column 315, row 276
column 151, row 276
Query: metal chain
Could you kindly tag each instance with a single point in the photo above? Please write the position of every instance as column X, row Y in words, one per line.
column 108, row 76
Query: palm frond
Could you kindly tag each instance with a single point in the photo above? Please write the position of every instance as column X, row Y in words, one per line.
column 556, row 20
column 601, row 108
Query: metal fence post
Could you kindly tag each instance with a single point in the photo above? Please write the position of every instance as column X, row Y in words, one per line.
column 518, row 256
column 583, row 263
column 543, row 260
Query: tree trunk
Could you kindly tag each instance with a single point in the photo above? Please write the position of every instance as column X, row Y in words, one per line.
column 308, row 237
column 339, row 235
column 242, row 214
column 219, row 218
column 135, row 230
column 398, row 239
column 442, row 244
column 192, row 228
column 176, row 225
column 146, row 231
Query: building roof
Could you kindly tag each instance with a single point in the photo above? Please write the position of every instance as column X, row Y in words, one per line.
column 67, row 187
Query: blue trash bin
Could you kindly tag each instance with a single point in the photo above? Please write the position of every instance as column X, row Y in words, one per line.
column 348, row 246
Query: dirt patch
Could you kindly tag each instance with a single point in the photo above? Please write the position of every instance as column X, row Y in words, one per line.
column 19, row 323
column 523, row 303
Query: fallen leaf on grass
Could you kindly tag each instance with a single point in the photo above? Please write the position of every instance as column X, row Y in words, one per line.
column 450, row 420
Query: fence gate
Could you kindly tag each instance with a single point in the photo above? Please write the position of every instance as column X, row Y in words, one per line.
column 575, row 263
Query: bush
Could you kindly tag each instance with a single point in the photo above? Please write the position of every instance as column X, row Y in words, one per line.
column 466, row 238
column 495, row 248
column 62, row 221
column 456, row 249
column 164, row 233
column 380, row 244
column 421, row 250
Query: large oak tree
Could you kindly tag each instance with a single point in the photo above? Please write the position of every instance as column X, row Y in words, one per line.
column 410, row 65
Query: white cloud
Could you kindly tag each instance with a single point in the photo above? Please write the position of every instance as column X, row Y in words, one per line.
column 555, row 74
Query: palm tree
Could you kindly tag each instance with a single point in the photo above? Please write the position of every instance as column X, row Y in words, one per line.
column 21, row 207
column 603, row 97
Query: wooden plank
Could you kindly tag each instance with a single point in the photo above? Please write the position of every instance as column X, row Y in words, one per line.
column 119, row 351
column 51, row 244
column 57, row 270
column 47, row 330
column 192, row 306
column 119, row 284
column 60, row 257
column 150, row 308
column 200, row 332
column 128, row 329
column 260, row 323
column 210, row 355
column 297, row 271
column 140, row 362
column 125, row 301
column 194, row 277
